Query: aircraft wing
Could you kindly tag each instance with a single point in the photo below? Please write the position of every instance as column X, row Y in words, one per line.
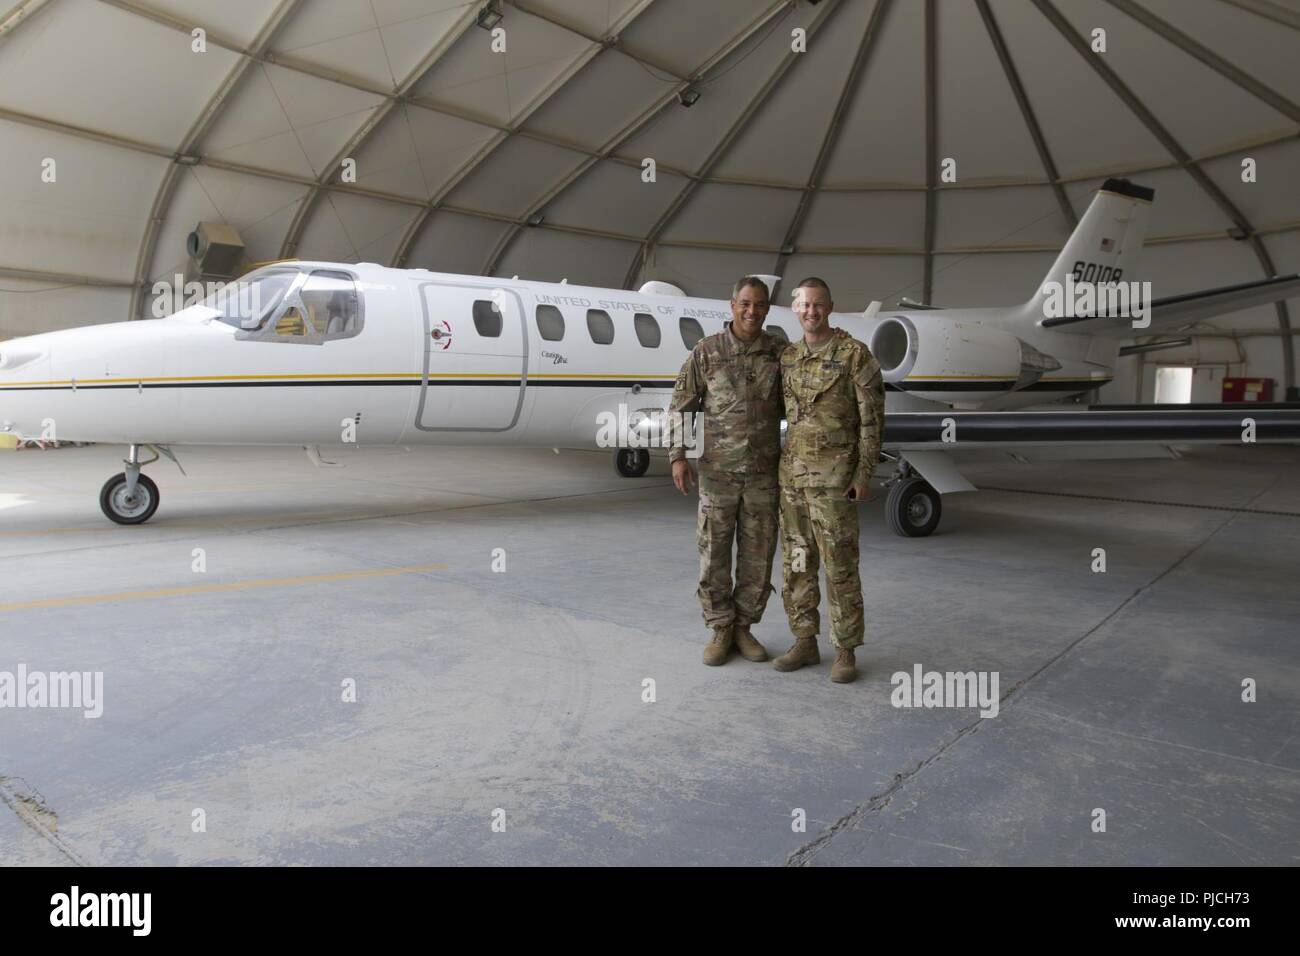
column 933, row 442
column 1175, row 310
column 926, row 431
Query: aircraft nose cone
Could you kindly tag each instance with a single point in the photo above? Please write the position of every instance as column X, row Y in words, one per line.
column 20, row 364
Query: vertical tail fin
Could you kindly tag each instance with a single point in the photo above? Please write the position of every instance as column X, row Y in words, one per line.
column 1104, row 247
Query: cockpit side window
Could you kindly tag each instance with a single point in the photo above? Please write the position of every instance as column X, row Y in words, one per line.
column 315, row 308
column 332, row 305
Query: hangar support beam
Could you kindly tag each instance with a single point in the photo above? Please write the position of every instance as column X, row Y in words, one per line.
column 167, row 188
column 720, row 150
column 1242, row 226
column 847, row 92
column 289, row 247
column 621, row 138
column 436, row 202
column 1027, row 111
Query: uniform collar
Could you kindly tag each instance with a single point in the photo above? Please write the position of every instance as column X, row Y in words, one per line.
column 805, row 349
column 739, row 344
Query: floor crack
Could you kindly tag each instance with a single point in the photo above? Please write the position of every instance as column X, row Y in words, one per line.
column 29, row 805
column 803, row 856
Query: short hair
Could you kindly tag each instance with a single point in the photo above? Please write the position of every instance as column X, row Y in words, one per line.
column 812, row 282
column 747, row 281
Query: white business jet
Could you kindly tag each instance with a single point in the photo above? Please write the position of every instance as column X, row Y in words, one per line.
column 318, row 353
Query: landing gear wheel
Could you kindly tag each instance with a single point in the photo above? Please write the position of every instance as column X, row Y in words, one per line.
column 913, row 508
column 118, row 507
column 631, row 462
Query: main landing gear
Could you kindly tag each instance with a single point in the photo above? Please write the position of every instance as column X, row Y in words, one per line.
column 913, row 507
column 631, row 462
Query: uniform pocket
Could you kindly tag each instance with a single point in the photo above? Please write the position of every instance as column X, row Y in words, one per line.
column 724, row 385
column 702, row 524
column 825, row 375
column 836, row 437
column 767, row 375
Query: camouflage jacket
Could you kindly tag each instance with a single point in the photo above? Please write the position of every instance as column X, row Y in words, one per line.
column 736, row 387
column 835, row 407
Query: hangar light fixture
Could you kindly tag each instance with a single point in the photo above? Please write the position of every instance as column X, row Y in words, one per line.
column 536, row 219
column 489, row 16
column 688, row 96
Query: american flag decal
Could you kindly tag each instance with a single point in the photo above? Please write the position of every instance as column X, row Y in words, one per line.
column 1107, row 245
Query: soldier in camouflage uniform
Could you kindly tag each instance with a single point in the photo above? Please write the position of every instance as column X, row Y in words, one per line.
column 835, row 409
column 733, row 381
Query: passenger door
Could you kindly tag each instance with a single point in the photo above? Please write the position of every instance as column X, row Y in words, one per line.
column 475, row 358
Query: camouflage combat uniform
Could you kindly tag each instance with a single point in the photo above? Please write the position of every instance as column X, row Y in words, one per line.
column 736, row 388
column 835, row 409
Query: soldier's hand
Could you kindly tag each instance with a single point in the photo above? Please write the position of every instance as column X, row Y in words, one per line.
column 857, row 492
column 683, row 476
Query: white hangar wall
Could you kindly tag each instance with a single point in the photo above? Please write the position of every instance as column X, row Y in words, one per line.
column 458, row 146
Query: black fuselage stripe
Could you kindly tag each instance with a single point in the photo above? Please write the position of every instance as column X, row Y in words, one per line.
column 909, row 386
column 949, row 385
column 321, row 383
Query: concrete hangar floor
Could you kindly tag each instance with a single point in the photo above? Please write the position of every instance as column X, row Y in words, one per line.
column 518, row 696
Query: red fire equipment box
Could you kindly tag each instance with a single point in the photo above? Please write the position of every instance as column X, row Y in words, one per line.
column 1248, row 390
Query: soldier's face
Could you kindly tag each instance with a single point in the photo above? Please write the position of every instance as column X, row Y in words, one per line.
column 812, row 307
column 749, row 311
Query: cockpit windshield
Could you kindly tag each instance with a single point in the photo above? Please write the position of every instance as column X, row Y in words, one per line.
column 245, row 303
column 306, row 306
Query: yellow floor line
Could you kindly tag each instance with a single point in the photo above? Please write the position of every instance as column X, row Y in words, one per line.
column 212, row 588
column 184, row 524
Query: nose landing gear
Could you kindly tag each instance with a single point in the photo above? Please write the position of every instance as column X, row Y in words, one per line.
column 131, row 497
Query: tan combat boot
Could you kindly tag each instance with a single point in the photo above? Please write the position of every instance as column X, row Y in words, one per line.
column 749, row 648
column 802, row 653
column 719, row 649
column 844, row 670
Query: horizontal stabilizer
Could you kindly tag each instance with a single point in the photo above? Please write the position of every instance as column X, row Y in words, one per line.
column 1189, row 307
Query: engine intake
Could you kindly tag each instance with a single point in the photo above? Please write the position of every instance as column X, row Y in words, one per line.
column 943, row 355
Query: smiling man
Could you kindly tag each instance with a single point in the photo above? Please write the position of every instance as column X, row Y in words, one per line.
column 733, row 379
column 834, row 401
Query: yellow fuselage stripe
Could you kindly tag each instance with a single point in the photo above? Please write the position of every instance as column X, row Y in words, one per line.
column 128, row 380
column 131, row 380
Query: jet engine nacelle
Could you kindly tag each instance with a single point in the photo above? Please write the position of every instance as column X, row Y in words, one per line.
column 943, row 359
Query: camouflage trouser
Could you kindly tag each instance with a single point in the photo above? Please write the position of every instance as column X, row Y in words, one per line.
column 743, row 508
column 820, row 526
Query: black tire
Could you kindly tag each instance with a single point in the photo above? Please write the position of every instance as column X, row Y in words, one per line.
column 913, row 508
column 112, row 500
column 631, row 462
